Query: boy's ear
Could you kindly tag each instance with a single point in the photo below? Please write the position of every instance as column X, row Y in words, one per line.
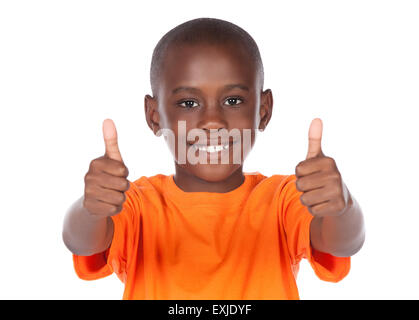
column 151, row 114
column 265, row 110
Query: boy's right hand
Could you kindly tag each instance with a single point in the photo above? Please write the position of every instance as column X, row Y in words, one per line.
column 106, row 181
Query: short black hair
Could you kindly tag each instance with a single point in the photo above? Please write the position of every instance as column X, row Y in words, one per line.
column 203, row 30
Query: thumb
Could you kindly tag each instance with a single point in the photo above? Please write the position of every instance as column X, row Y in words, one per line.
column 315, row 139
column 111, row 140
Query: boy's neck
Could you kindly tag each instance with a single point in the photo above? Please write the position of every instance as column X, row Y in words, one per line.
column 190, row 183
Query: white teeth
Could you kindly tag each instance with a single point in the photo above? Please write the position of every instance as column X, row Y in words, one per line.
column 211, row 148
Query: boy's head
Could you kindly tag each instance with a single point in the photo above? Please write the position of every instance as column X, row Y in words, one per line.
column 207, row 78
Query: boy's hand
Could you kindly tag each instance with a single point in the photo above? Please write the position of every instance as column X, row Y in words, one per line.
column 324, row 193
column 106, row 181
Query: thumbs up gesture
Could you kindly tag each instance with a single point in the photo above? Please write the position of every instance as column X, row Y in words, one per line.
column 106, row 180
column 324, row 193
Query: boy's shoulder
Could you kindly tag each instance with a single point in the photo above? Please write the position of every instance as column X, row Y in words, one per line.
column 157, row 181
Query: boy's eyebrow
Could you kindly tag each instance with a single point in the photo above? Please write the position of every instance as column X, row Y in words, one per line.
column 236, row 85
column 228, row 86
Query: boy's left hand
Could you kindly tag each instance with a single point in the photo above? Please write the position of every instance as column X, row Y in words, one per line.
column 324, row 193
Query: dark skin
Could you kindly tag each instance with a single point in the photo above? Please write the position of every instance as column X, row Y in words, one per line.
column 209, row 74
column 217, row 87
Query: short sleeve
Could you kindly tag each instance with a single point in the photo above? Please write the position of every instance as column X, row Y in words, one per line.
column 296, row 220
column 115, row 258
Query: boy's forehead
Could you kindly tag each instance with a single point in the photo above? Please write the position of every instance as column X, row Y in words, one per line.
column 205, row 64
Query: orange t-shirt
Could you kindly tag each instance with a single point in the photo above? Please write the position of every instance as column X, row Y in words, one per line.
column 243, row 244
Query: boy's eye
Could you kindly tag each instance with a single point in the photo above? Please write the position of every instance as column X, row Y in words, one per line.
column 188, row 104
column 233, row 101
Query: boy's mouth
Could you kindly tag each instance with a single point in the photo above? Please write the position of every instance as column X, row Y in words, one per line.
column 212, row 147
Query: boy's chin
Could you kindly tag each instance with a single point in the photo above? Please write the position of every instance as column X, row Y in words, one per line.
column 212, row 172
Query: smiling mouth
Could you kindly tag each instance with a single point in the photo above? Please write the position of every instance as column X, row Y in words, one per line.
column 212, row 148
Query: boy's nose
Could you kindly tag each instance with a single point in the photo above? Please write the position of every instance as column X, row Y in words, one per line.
column 213, row 125
column 212, row 119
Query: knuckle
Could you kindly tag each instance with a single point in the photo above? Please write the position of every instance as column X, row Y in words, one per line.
column 112, row 210
column 123, row 171
column 336, row 176
column 94, row 163
column 299, row 184
column 303, row 199
column 330, row 159
column 122, row 184
column 89, row 178
column 121, row 197
column 88, row 190
column 298, row 169
column 85, row 202
column 337, row 190
column 331, row 162
column 332, row 178
column 314, row 210
column 89, row 206
column 117, row 209
column 340, row 204
column 325, row 161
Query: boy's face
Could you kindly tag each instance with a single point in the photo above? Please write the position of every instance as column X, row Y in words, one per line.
column 217, row 90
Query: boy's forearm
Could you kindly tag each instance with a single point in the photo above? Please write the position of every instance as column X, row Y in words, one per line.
column 85, row 234
column 342, row 235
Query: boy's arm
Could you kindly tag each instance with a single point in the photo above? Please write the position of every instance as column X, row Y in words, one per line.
column 88, row 226
column 342, row 235
column 85, row 234
column 338, row 225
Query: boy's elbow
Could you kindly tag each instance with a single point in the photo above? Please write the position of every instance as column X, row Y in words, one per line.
column 69, row 245
column 81, row 250
column 349, row 251
column 78, row 251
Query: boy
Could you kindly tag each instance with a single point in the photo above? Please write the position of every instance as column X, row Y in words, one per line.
column 211, row 231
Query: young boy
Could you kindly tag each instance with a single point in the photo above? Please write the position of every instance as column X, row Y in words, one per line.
column 211, row 231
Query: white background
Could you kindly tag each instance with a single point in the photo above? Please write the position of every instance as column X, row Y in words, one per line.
column 67, row 65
